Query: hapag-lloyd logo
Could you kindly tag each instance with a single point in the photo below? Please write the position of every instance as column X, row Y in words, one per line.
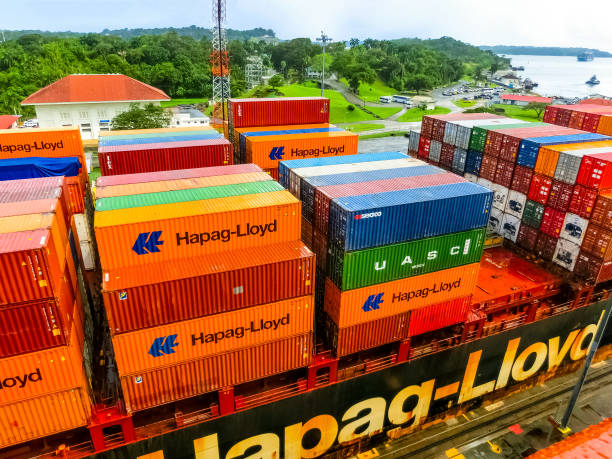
column 424, row 292
column 32, row 147
column 19, row 382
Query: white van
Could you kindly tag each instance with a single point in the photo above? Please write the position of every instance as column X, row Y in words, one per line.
column 385, row 99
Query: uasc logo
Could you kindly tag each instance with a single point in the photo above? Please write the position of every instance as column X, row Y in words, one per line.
column 277, row 153
column 147, row 243
column 163, row 345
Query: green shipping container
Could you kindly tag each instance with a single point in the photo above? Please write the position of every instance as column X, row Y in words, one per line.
column 350, row 270
column 533, row 213
column 193, row 194
column 479, row 133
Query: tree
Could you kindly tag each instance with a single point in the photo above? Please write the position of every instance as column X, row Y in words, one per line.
column 354, row 42
column 537, row 107
column 276, row 81
column 357, row 74
column 149, row 117
column 419, row 82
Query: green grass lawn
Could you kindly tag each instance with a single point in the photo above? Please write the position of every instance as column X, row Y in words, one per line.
column 383, row 134
column 175, row 102
column 518, row 113
column 363, row 127
column 339, row 112
column 416, row 114
column 94, row 174
column 384, row 112
column 464, row 103
column 371, row 92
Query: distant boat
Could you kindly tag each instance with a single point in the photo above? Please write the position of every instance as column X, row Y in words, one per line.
column 593, row 80
column 520, row 68
column 585, row 57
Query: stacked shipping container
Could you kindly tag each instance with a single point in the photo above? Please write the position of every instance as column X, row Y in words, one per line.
column 41, row 314
column 129, row 152
column 588, row 117
column 547, row 182
column 396, row 250
column 206, row 283
column 267, row 131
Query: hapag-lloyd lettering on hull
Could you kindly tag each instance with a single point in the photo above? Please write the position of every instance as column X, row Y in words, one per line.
column 409, row 405
column 32, row 147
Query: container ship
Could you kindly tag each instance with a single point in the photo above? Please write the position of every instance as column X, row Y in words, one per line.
column 271, row 292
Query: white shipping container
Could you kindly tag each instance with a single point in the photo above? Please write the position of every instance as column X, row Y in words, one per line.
column 450, row 132
column 471, row 177
column 459, row 157
column 484, row 182
column 500, row 196
column 435, row 148
column 516, row 203
column 464, row 129
column 569, row 162
column 574, row 228
column 413, row 141
column 495, row 220
column 510, row 227
column 566, row 254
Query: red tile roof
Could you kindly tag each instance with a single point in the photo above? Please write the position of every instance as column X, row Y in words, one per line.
column 6, row 121
column 95, row 88
column 544, row 100
column 596, row 101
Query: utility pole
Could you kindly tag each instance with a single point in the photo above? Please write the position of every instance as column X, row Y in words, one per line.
column 219, row 62
column 323, row 39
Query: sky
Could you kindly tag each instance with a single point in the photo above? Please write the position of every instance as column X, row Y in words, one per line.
column 479, row 22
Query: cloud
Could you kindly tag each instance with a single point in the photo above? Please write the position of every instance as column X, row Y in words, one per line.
column 521, row 22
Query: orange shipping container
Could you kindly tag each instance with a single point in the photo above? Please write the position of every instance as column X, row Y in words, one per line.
column 43, row 416
column 605, row 125
column 42, row 372
column 381, row 300
column 189, row 379
column 129, row 237
column 179, row 184
column 193, row 339
column 268, row 151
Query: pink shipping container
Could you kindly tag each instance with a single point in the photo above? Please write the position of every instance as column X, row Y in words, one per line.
column 31, row 189
column 162, row 176
column 196, row 287
column 552, row 222
column 438, row 316
column 277, row 111
column 131, row 159
column 171, row 383
column 350, row 340
column 560, row 195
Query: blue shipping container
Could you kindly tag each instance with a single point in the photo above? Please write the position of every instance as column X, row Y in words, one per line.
column 473, row 160
column 146, row 140
column 308, row 185
column 529, row 149
column 285, row 166
column 360, row 222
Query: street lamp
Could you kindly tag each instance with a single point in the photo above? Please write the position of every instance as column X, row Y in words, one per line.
column 323, row 39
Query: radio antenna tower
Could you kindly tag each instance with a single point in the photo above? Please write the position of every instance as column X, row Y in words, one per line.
column 220, row 63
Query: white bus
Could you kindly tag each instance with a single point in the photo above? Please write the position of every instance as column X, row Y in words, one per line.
column 401, row 99
column 385, row 99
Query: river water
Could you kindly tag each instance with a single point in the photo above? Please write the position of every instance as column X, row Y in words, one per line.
column 565, row 76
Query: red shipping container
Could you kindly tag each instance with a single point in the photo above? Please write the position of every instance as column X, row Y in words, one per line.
column 324, row 194
column 591, row 122
column 539, row 188
column 424, row 145
column 273, row 173
column 32, row 326
column 306, row 232
column 560, row 195
column 437, row 131
column 550, row 114
column 596, row 171
column 602, row 212
column 576, row 119
column 427, row 126
column 504, row 173
column 583, row 201
column 319, row 247
column 521, row 180
column 177, row 382
column 438, row 316
column 545, row 246
column 277, row 111
column 131, row 159
column 527, row 237
column 74, row 196
column 488, row 167
column 593, row 268
column 198, row 286
column 493, row 143
column 350, row 340
column 446, row 155
column 510, row 147
column 598, row 242
column 552, row 222
column 563, row 116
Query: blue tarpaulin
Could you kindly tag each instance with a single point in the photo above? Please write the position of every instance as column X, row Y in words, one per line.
column 35, row 167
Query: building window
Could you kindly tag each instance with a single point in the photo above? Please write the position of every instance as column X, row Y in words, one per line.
column 104, row 125
column 84, row 115
column 65, row 115
column 86, row 128
column 101, row 114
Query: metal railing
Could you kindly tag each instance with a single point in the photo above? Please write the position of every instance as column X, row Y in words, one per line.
column 245, row 402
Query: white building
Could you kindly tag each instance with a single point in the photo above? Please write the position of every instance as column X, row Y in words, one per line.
column 90, row 101
column 188, row 117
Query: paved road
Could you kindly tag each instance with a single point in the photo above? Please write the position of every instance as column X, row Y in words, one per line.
column 396, row 143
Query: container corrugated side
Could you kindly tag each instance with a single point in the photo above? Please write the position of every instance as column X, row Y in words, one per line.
column 592, row 268
column 478, row 138
column 179, row 184
column 583, row 201
column 528, row 152
column 153, row 131
column 192, row 194
column 367, row 335
column 178, row 174
column 44, row 416
column 548, row 156
column 102, row 139
column 533, row 213
column 350, row 270
column 168, row 292
column 382, row 300
column 397, row 179
column 560, row 195
column 521, row 180
column 438, row 316
column 168, row 384
column 407, row 215
column 120, row 141
column 144, row 350
column 31, row 189
column 168, row 232
column 278, row 111
column 602, row 212
column 552, row 222
column 598, row 242
column 596, row 171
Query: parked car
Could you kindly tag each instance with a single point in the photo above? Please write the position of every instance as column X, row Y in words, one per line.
column 385, row 99
column 30, row 123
